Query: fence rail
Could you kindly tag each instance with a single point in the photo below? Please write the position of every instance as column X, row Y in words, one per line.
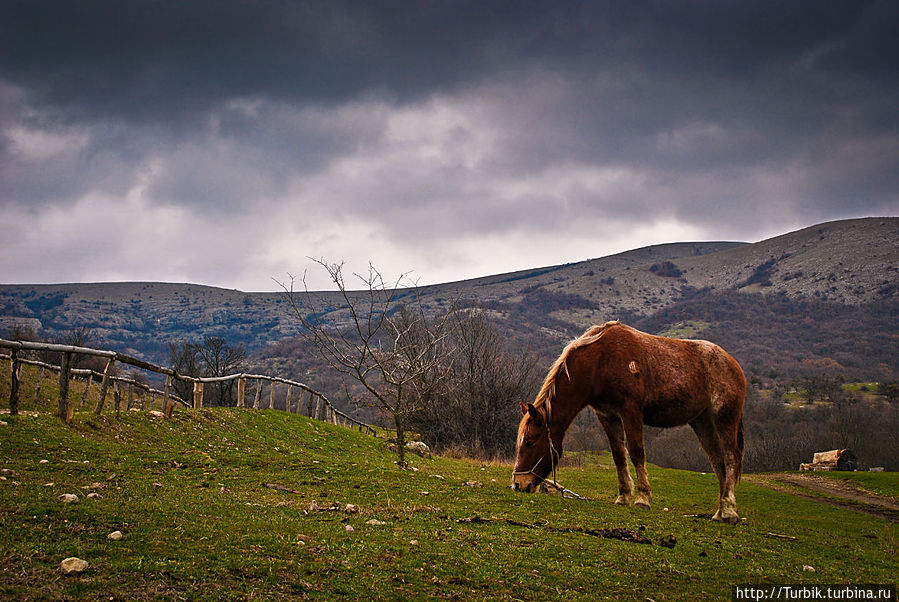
column 309, row 402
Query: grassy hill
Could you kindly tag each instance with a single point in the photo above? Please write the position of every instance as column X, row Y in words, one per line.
column 197, row 521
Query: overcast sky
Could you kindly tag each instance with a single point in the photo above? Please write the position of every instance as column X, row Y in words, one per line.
column 226, row 142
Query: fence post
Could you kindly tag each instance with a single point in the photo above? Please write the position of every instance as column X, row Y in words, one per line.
column 258, row 391
column 309, row 402
column 130, row 394
column 198, row 394
column 14, row 383
column 37, row 388
column 116, row 397
column 271, row 397
column 317, row 408
column 165, row 393
column 241, row 390
column 64, row 410
column 169, row 380
column 104, row 387
column 87, row 387
column 287, row 400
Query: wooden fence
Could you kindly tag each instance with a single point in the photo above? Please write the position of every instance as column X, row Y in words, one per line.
column 309, row 402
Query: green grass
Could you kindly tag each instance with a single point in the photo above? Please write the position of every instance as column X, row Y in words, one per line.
column 188, row 495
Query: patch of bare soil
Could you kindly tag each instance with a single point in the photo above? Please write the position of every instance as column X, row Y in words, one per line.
column 837, row 492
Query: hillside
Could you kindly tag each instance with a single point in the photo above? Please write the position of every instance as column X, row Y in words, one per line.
column 822, row 296
column 188, row 497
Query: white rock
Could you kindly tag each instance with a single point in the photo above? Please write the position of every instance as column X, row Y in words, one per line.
column 115, row 535
column 73, row 566
column 44, row 462
column 808, row 568
column 68, row 498
column 349, row 529
column 375, row 522
column 419, row 447
column 94, row 496
column 351, row 509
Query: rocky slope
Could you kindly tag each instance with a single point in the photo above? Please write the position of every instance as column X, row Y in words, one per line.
column 842, row 275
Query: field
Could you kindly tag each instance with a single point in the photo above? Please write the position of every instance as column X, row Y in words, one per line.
column 193, row 499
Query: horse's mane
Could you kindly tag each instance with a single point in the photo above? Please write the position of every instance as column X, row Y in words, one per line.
column 548, row 390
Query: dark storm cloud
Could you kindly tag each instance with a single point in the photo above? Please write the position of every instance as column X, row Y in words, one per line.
column 178, row 57
column 429, row 123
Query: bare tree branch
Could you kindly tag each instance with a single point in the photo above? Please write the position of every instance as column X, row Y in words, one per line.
column 396, row 351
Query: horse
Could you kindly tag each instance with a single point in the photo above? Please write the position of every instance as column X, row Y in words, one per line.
column 630, row 378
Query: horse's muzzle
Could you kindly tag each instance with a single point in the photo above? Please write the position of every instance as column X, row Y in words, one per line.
column 528, row 487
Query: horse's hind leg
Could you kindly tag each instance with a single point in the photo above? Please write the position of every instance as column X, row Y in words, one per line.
column 633, row 430
column 718, row 447
column 730, row 433
column 615, row 433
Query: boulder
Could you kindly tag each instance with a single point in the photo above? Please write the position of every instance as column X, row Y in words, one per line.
column 420, row 448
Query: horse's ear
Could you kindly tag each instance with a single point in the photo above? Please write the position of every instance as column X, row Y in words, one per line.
column 524, row 408
column 536, row 416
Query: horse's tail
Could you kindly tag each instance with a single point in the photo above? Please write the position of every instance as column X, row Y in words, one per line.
column 739, row 462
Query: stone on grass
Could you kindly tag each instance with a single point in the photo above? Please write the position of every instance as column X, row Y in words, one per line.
column 472, row 484
column 68, row 498
column 375, row 522
column 349, row 529
column 73, row 566
column 420, row 448
column 94, row 496
column 115, row 535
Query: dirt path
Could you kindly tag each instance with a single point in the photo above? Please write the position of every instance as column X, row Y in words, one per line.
column 837, row 492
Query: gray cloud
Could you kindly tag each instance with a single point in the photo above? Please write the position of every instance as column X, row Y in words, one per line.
column 452, row 136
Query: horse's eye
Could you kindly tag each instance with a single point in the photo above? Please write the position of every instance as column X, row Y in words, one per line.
column 530, row 443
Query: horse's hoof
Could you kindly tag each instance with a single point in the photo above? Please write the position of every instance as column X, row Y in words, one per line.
column 623, row 500
column 730, row 519
column 643, row 504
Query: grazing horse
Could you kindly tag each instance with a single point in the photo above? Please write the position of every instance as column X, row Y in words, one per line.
column 630, row 378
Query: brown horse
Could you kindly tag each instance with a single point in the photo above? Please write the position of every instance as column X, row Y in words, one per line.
column 631, row 378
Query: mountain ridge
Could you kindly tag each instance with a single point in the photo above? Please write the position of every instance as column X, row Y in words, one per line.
column 842, row 268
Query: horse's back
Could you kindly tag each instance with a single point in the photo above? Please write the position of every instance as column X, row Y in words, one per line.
column 682, row 377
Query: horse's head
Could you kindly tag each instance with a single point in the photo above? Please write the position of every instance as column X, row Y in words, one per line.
column 536, row 454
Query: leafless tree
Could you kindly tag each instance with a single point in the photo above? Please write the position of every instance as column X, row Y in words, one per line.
column 477, row 411
column 382, row 337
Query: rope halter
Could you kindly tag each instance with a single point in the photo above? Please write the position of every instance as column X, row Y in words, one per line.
column 554, row 457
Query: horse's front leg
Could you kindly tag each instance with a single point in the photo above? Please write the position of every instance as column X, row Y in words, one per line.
column 615, row 434
column 633, row 429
